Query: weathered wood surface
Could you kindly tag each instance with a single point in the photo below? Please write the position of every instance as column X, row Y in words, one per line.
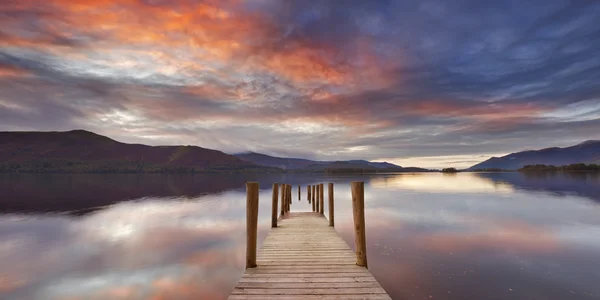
column 305, row 258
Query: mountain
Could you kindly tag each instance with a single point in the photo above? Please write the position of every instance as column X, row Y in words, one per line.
column 278, row 162
column 84, row 151
column 586, row 152
column 307, row 165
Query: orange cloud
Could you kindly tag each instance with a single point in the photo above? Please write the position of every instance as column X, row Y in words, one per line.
column 8, row 71
column 477, row 110
column 8, row 284
column 210, row 31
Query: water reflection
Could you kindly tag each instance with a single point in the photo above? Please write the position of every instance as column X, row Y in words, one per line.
column 584, row 184
column 132, row 250
column 436, row 182
column 432, row 236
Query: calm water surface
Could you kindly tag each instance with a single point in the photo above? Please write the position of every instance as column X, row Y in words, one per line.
column 430, row 236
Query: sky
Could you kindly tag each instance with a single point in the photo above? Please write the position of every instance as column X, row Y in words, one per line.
column 415, row 82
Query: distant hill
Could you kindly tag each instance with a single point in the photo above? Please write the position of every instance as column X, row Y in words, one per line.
column 307, row 165
column 278, row 162
column 586, row 152
column 84, row 151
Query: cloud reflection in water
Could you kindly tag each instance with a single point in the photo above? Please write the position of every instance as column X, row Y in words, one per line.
column 463, row 236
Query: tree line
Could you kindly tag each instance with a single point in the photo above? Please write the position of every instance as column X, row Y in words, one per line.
column 571, row 167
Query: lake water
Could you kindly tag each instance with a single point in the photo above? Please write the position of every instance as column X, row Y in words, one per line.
column 430, row 236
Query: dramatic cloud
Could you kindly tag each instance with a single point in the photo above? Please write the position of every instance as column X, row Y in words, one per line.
column 395, row 80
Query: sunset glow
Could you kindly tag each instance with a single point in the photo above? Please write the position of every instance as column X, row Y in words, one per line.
column 410, row 79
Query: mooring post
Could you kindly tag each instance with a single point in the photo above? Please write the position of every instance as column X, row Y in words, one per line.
column 289, row 197
column 312, row 188
column 358, row 210
column 282, row 199
column 322, row 194
column 251, row 223
column 285, row 199
column 274, row 205
column 316, row 198
column 318, row 194
column 330, row 188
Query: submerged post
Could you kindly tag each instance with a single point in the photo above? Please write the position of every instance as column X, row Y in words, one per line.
column 358, row 210
column 274, row 205
column 251, row 223
column 282, row 199
column 330, row 188
column 322, row 200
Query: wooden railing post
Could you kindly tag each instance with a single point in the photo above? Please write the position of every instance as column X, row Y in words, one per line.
column 312, row 187
column 274, row 206
column 358, row 210
column 330, row 188
column 282, row 199
column 251, row 223
column 322, row 196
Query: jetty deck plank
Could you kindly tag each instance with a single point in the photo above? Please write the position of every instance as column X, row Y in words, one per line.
column 305, row 258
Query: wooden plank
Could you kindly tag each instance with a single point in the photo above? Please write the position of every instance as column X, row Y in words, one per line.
column 310, row 297
column 316, row 275
column 308, row 285
column 305, row 258
column 312, row 291
column 307, row 279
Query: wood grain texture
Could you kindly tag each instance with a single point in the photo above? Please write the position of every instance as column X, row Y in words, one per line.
column 331, row 207
column 251, row 223
column 312, row 197
column 274, row 205
column 282, row 199
column 358, row 211
column 321, row 198
column 318, row 199
column 305, row 258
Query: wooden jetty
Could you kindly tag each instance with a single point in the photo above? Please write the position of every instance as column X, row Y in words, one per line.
column 303, row 257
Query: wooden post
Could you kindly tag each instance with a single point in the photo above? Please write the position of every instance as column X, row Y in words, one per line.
column 289, row 197
column 275, row 202
column 358, row 210
column 322, row 196
column 251, row 223
column 282, row 199
column 299, row 193
column 317, row 198
column 285, row 199
column 312, row 187
column 308, row 192
column 330, row 188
